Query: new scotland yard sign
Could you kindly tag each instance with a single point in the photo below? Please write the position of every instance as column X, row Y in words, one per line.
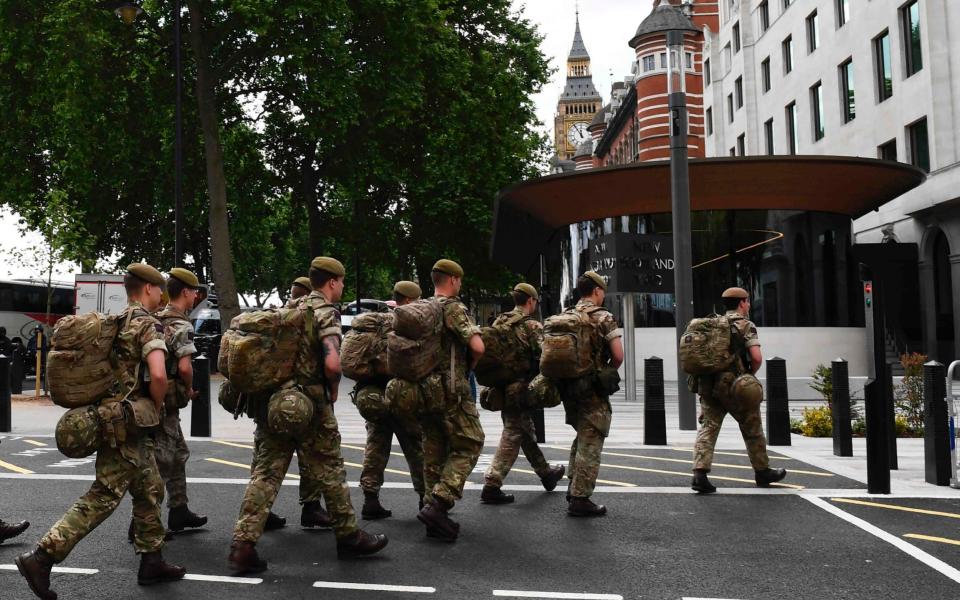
column 634, row 262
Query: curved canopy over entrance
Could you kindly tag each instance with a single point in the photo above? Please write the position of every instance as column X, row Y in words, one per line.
column 527, row 215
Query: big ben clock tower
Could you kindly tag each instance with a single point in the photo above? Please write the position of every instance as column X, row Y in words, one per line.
column 578, row 103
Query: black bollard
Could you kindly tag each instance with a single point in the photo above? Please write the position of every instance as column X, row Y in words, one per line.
column 16, row 372
column 200, row 413
column 778, row 412
column 654, row 406
column 540, row 426
column 5, row 420
column 842, row 433
column 936, row 433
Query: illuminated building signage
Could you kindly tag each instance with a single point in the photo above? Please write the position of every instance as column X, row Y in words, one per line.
column 634, row 262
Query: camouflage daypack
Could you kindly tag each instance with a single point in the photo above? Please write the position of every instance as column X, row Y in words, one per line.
column 506, row 358
column 363, row 355
column 571, row 347
column 80, row 366
column 408, row 400
column 706, row 347
column 414, row 347
column 259, row 351
column 371, row 402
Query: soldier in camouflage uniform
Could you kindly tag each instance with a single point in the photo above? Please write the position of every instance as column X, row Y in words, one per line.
column 452, row 442
column 519, row 431
column 172, row 452
column 587, row 409
column 713, row 390
column 380, row 438
column 318, row 375
column 125, row 459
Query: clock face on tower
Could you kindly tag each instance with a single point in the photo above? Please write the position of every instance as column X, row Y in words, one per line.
column 577, row 134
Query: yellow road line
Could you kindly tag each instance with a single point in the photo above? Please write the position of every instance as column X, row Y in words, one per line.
column 220, row 461
column 400, row 454
column 743, row 454
column 234, row 444
column 15, row 468
column 930, row 538
column 687, row 474
column 35, row 443
column 728, row 466
column 922, row 511
column 359, row 466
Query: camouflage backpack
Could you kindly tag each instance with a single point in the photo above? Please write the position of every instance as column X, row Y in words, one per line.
column 408, row 400
column 363, row 355
column 259, row 351
column 706, row 347
column 506, row 358
column 414, row 347
column 80, row 364
column 571, row 347
column 371, row 402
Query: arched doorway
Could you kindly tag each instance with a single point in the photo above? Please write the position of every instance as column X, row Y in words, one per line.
column 943, row 298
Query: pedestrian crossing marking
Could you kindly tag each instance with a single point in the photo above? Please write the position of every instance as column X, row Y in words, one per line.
column 35, row 443
column 65, row 570
column 15, row 468
column 220, row 461
column 922, row 511
column 931, row 538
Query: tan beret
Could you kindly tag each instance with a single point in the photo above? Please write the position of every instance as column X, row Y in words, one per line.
column 147, row 273
column 597, row 278
column 735, row 292
column 449, row 267
column 527, row 289
column 407, row 289
column 330, row 265
column 303, row 282
column 186, row 277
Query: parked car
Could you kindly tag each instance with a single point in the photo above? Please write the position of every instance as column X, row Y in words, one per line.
column 348, row 312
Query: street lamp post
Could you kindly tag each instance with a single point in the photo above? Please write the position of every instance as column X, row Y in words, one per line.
column 680, row 203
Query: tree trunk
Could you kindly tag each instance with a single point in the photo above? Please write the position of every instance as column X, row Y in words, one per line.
column 221, row 255
column 309, row 180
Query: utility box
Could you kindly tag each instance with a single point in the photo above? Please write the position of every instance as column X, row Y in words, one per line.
column 99, row 292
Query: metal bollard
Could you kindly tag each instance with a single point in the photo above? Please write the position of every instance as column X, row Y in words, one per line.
column 5, row 420
column 16, row 372
column 778, row 412
column 539, row 424
column 654, row 408
column 842, row 433
column 200, row 413
column 936, row 441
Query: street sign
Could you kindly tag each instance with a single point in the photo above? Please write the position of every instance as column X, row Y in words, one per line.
column 634, row 262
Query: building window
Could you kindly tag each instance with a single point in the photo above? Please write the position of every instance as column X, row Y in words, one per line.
column 730, row 107
column 706, row 72
column 881, row 55
column 742, row 144
column 843, row 11
column 736, row 37
column 888, row 151
column 727, row 58
column 688, row 60
column 791, row 114
column 787, row 47
column 709, row 120
column 733, row 151
column 738, row 91
column 764, row 10
column 786, row 4
column 649, row 63
column 910, row 20
column 765, row 74
column 813, row 32
column 768, row 135
column 919, row 148
column 847, row 96
column 663, row 60
column 816, row 106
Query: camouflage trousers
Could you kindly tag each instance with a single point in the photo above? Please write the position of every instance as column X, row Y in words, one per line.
column 711, row 418
column 310, row 490
column 377, row 452
column 591, row 418
column 321, row 460
column 132, row 468
column 519, row 433
column 452, row 443
column 172, row 455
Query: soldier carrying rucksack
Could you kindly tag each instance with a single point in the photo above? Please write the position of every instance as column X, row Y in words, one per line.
column 512, row 345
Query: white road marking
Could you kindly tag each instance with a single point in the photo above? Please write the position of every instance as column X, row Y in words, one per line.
column 693, row 598
column 70, row 463
column 35, row 452
column 223, row 579
column 65, row 570
column 341, row 585
column 564, row 595
column 917, row 553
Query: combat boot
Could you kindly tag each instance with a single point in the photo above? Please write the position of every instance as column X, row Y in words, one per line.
column 372, row 509
column 767, row 476
column 244, row 559
column 35, row 567
column 701, row 484
column 439, row 525
column 181, row 517
column 553, row 476
column 584, row 507
column 12, row 530
column 153, row 569
column 274, row 521
column 360, row 543
column 314, row 515
column 491, row 494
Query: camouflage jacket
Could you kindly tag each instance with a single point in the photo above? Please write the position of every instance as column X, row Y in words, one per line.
column 748, row 338
column 606, row 326
column 530, row 335
column 325, row 322
column 178, row 335
column 140, row 335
